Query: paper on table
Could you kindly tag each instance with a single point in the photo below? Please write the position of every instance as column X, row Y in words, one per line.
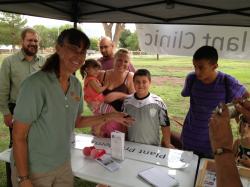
column 158, row 177
column 172, row 158
column 107, row 162
column 178, row 159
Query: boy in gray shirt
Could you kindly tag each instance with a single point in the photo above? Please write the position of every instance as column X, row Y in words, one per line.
column 149, row 112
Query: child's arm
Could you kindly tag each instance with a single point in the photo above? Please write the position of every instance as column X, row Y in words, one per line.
column 166, row 137
column 97, row 86
column 114, row 96
column 130, row 83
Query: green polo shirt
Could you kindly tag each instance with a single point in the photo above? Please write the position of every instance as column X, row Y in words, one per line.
column 51, row 114
column 13, row 71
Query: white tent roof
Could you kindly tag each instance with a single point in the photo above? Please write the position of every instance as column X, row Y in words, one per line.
column 205, row 12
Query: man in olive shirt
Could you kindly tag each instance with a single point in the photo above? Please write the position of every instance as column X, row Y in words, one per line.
column 15, row 68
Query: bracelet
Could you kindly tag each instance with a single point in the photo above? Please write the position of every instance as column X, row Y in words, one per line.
column 104, row 118
column 20, row 179
column 220, row 151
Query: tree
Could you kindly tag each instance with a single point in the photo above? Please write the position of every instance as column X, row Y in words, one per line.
column 119, row 27
column 48, row 36
column 94, row 44
column 129, row 40
column 10, row 28
column 132, row 42
column 124, row 35
column 66, row 26
column 43, row 33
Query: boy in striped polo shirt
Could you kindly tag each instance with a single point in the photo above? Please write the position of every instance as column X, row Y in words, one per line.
column 206, row 88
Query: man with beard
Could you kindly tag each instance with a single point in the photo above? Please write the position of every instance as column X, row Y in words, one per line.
column 107, row 50
column 15, row 68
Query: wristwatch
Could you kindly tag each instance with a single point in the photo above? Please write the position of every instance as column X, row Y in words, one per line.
column 20, row 179
column 220, row 151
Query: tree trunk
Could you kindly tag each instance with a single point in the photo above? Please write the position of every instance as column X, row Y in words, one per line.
column 108, row 29
column 118, row 30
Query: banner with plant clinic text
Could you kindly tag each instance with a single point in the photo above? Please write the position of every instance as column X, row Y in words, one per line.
column 184, row 40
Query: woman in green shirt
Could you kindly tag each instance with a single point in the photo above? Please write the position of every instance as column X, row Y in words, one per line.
column 48, row 108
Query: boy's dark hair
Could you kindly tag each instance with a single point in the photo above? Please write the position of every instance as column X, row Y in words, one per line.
column 89, row 63
column 206, row 52
column 72, row 36
column 142, row 72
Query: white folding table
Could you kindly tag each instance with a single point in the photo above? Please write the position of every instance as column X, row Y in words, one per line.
column 88, row 169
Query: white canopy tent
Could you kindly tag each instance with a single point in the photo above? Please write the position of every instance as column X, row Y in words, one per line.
column 194, row 12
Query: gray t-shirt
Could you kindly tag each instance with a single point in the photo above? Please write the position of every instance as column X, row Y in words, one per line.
column 150, row 113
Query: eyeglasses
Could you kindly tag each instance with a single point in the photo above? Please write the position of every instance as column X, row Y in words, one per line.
column 75, row 49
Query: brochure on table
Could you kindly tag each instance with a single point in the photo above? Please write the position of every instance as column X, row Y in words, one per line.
column 107, row 162
column 117, row 145
column 158, row 177
column 171, row 158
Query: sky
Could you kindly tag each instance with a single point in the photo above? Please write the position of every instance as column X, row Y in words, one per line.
column 91, row 29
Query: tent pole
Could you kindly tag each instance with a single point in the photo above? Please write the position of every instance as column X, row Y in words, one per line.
column 75, row 25
column 75, row 11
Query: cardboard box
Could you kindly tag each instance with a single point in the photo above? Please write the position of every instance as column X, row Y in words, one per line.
column 209, row 167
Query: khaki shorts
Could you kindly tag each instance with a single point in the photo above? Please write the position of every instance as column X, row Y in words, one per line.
column 60, row 177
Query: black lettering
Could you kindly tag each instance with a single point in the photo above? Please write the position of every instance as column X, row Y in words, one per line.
column 152, row 153
column 168, row 40
column 192, row 38
column 207, row 38
column 156, row 37
column 219, row 39
column 162, row 156
column 232, row 46
column 244, row 41
column 180, row 40
column 174, row 40
column 150, row 39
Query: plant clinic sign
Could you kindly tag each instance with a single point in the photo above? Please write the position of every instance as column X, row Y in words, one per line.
column 231, row 42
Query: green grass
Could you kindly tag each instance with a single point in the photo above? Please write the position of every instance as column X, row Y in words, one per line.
column 168, row 66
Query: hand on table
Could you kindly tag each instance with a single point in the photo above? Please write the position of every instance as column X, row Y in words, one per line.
column 120, row 117
column 170, row 146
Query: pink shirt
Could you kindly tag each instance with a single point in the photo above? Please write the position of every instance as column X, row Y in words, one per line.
column 90, row 95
